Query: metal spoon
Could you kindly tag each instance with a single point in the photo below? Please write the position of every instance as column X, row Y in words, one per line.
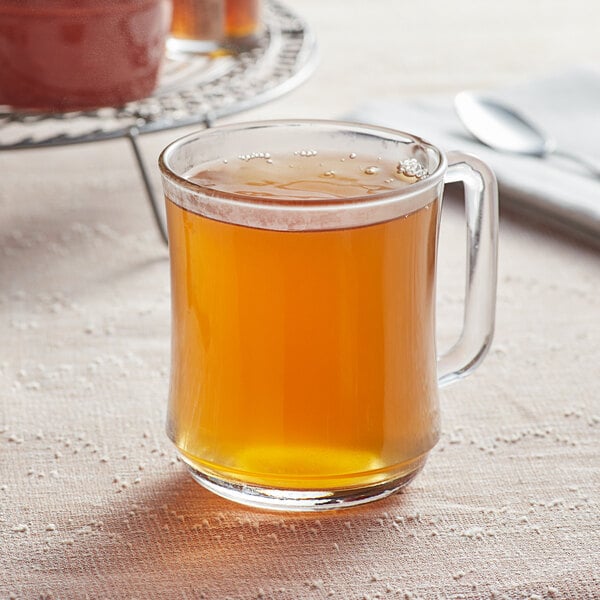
column 503, row 128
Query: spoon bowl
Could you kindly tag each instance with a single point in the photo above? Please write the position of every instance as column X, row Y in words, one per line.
column 503, row 128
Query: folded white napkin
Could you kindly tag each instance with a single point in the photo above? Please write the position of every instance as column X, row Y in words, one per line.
column 566, row 106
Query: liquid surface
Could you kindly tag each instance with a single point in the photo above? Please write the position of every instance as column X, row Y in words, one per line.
column 302, row 360
column 304, row 175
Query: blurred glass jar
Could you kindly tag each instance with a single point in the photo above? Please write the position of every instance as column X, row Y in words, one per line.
column 197, row 26
column 201, row 26
column 77, row 54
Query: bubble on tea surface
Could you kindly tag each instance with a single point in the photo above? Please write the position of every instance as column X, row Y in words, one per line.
column 329, row 174
column 352, row 155
column 308, row 153
column 253, row 155
column 372, row 170
column 412, row 168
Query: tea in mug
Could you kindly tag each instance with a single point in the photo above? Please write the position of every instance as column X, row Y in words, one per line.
column 303, row 360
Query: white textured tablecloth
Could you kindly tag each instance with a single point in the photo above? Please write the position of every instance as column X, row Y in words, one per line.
column 94, row 504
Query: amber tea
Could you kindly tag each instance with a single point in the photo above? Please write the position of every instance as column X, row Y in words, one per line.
column 295, row 352
column 242, row 18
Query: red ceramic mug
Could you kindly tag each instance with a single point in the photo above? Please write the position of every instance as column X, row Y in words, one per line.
column 77, row 54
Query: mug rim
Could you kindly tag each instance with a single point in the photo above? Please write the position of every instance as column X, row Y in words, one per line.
column 375, row 199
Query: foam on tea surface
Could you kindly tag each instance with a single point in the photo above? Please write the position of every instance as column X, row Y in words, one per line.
column 308, row 175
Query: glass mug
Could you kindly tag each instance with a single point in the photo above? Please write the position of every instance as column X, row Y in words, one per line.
column 304, row 371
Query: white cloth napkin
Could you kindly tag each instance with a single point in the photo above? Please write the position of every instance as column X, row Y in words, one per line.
column 565, row 106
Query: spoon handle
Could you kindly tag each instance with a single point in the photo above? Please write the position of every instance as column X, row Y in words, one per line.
column 589, row 164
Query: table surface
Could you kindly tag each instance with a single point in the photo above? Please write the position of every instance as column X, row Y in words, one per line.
column 94, row 504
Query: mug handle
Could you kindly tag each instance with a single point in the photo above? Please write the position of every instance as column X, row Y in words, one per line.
column 481, row 210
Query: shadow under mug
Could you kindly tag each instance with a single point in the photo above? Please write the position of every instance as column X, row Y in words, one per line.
column 304, row 371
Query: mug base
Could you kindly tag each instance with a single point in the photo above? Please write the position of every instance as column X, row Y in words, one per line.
column 310, row 500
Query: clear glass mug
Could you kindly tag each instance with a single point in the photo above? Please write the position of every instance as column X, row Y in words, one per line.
column 304, row 370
